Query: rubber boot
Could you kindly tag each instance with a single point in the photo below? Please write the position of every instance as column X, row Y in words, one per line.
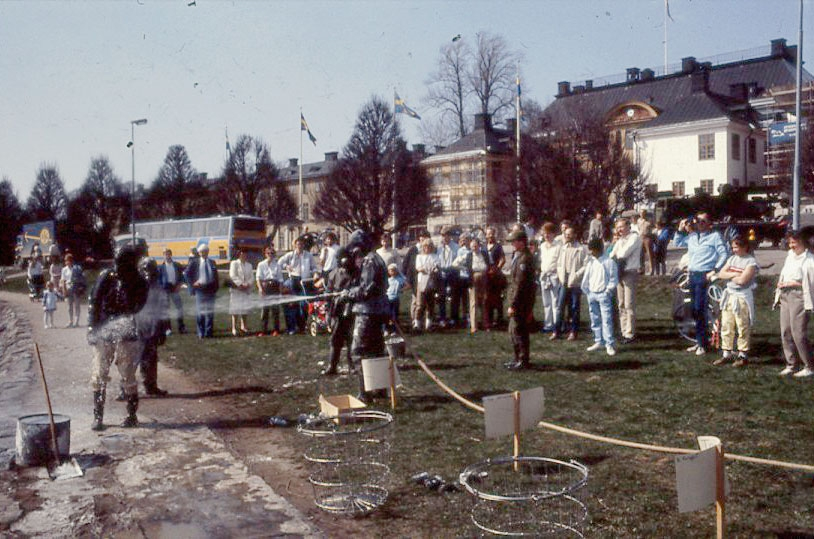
column 132, row 406
column 98, row 410
column 334, row 362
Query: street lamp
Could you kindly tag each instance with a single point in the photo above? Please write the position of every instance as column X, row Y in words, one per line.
column 132, row 146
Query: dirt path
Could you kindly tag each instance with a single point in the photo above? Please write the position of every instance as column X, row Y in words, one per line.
column 189, row 470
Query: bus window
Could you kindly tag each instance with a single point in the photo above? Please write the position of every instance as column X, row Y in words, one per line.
column 217, row 227
column 184, row 230
column 198, row 229
column 255, row 225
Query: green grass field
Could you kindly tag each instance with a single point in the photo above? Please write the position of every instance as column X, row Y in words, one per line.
column 652, row 391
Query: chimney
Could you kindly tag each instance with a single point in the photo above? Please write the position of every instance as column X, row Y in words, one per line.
column 632, row 74
column 511, row 125
column 563, row 88
column 739, row 91
column 700, row 78
column 688, row 65
column 419, row 149
column 647, row 74
column 778, row 47
column 589, row 85
column 483, row 121
column 579, row 89
column 292, row 162
column 331, row 156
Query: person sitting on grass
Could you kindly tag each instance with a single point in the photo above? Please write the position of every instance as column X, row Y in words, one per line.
column 599, row 284
column 795, row 295
column 737, row 302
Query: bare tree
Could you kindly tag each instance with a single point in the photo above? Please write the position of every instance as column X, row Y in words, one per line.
column 11, row 215
column 47, row 199
column 449, row 87
column 101, row 207
column 177, row 188
column 492, row 75
column 375, row 166
column 247, row 174
column 280, row 206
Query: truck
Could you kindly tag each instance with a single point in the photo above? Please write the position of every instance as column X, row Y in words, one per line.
column 35, row 238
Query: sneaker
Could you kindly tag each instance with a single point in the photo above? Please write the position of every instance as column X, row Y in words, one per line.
column 692, row 348
column 611, row 351
column 804, row 373
column 787, row 371
column 700, row 351
column 571, row 336
column 594, row 347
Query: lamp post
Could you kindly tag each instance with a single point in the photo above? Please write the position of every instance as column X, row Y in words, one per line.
column 132, row 146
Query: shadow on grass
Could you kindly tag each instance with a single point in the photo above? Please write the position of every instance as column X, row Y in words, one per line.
column 618, row 365
column 221, row 392
column 220, row 424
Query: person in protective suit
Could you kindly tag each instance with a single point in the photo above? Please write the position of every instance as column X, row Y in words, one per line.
column 520, row 296
column 117, row 296
column 340, row 278
column 369, row 296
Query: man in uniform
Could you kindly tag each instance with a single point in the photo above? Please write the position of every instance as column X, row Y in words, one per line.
column 369, row 296
column 118, row 295
column 520, row 296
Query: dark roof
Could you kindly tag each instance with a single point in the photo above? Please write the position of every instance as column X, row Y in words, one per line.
column 672, row 95
column 491, row 139
column 319, row 169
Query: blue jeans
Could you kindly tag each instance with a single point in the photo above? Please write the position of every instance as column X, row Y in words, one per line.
column 600, row 307
column 205, row 309
column 700, row 303
column 569, row 309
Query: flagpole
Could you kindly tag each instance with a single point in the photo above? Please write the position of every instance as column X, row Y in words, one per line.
column 393, row 234
column 666, row 10
column 517, row 144
column 302, row 217
column 798, row 112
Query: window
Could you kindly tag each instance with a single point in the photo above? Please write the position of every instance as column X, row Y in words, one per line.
column 706, row 146
column 678, row 189
column 306, row 214
column 752, row 150
column 706, row 186
column 736, row 147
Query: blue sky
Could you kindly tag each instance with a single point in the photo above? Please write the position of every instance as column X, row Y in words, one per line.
column 74, row 74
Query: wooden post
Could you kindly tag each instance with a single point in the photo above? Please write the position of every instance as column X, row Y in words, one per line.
column 392, row 369
column 516, row 452
column 720, row 493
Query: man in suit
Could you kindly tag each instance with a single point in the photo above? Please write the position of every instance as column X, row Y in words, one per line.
column 170, row 278
column 202, row 276
column 520, row 297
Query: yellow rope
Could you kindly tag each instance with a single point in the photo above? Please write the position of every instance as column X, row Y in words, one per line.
column 595, row 437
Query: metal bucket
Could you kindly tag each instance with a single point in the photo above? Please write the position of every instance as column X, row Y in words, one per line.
column 34, row 439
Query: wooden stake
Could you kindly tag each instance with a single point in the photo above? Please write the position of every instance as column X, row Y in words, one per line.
column 720, row 493
column 516, row 429
column 54, row 446
column 392, row 368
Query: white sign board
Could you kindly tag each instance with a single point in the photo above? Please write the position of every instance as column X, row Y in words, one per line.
column 705, row 442
column 695, row 480
column 376, row 373
column 499, row 410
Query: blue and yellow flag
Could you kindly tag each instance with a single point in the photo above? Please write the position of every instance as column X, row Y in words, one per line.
column 401, row 108
column 304, row 127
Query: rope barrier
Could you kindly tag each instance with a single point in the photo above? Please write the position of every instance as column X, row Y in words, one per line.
column 595, row 437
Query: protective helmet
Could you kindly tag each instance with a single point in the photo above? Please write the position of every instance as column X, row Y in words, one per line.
column 518, row 232
column 359, row 243
column 126, row 259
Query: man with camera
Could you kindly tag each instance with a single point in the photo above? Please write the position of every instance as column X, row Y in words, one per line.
column 707, row 254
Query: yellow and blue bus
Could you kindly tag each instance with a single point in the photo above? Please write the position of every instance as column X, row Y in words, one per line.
column 223, row 234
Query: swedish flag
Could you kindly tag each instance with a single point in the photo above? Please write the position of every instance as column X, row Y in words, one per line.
column 401, row 108
column 304, row 127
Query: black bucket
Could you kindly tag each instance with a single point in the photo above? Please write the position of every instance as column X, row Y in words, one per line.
column 34, row 446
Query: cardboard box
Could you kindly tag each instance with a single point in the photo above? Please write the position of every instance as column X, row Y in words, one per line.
column 335, row 405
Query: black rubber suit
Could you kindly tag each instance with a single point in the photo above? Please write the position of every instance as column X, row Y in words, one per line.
column 152, row 324
column 117, row 296
column 340, row 278
column 369, row 296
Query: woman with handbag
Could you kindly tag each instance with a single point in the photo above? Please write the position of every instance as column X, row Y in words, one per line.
column 427, row 265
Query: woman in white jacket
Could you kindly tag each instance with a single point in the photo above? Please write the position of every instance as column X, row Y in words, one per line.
column 795, row 295
column 240, row 275
column 427, row 266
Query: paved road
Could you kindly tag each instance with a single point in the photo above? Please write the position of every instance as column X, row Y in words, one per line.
column 172, row 477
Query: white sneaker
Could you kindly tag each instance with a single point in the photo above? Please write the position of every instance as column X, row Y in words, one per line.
column 787, row 371
column 594, row 347
column 692, row 348
column 610, row 350
column 700, row 351
column 804, row 373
